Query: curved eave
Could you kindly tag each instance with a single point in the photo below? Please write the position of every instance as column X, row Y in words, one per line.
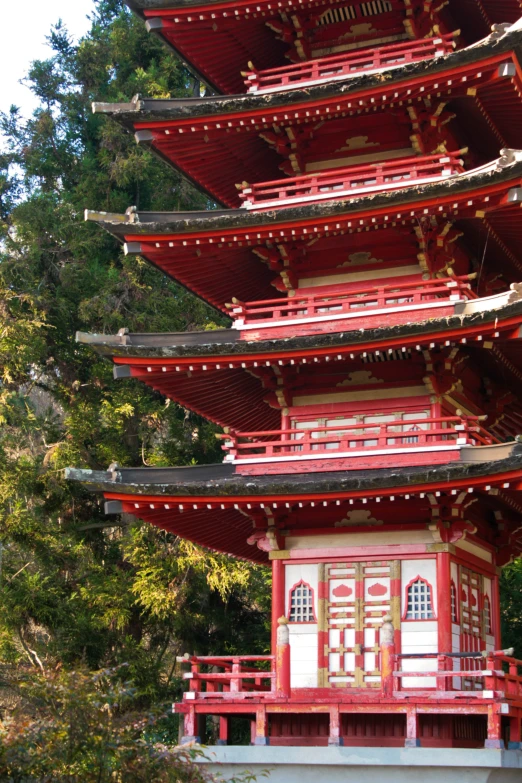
column 205, row 251
column 227, row 342
column 211, row 505
column 474, row 17
column 166, row 109
column 158, row 223
column 221, row 482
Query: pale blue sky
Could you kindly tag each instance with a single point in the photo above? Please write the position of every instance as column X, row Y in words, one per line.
column 24, row 27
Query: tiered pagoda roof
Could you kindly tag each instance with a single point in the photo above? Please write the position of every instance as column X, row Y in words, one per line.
column 180, row 499
column 217, row 139
column 244, row 254
column 218, row 39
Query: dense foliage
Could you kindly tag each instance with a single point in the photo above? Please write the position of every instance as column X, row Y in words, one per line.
column 73, row 727
column 77, row 587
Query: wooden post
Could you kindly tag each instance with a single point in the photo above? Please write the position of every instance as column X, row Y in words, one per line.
column 515, row 737
column 278, row 598
column 412, row 729
column 283, row 659
column 260, row 734
column 335, row 739
column 444, row 602
column 223, row 730
column 190, row 727
column 387, row 643
column 495, row 611
column 494, row 739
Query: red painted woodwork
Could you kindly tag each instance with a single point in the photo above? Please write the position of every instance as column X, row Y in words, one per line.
column 338, row 66
column 312, row 312
column 399, row 437
column 361, row 238
column 278, row 598
column 354, row 180
column 444, row 607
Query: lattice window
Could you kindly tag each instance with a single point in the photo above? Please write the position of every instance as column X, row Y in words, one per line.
column 420, row 605
column 454, row 607
column 302, row 604
column 349, row 12
column 487, row 615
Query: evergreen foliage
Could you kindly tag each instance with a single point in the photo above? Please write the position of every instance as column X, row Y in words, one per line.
column 76, row 587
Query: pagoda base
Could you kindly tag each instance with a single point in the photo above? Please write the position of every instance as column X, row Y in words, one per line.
column 366, row 765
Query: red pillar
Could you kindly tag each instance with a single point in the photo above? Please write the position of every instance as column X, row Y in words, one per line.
column 283, row 660
column 223, row 730
column 494, row 739
column 387, row 656
column 495, row 612
column 412, row 728
column 335, row 738
column 278, row 598
column 444, row 602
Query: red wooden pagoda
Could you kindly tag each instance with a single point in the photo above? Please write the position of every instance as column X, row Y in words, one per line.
column 368, row 252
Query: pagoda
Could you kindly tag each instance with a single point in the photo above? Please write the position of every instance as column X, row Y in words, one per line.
column 367, row 248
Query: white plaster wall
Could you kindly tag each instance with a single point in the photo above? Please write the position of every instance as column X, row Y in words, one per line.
column 303, row 655
column 419, row 636
column 303, row 636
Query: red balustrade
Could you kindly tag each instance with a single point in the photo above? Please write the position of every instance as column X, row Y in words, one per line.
column 234, row 677
column 429, row 431
column 348, row 64
column 337, row 304
column 351, row 180
column 491, row 677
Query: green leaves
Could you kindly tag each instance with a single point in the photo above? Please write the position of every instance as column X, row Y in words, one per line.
column 77, row 586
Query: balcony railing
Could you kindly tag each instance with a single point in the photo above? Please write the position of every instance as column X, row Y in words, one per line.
column 330, row 306
column 350, row 439
column 340, row 66
column 351, row 180
column 487, row 678
column 222, row 676
column 238, row 679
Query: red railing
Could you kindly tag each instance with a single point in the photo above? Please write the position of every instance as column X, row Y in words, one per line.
column 490, row 677
column 337, row 304
column 460, row 430
column 233, row 678
column 351, row 180
column 348, row 63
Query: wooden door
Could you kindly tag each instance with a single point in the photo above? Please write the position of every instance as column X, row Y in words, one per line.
column 471, row 625
column 356, row 596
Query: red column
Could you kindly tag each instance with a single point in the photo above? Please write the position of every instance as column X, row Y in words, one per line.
column 223, row 730
column 495, row 612
column 412, row 729
column 278, row 598
column 387, row 656
column 494, row 739
column 444, row 602
column 335, row 738
column 283, row 660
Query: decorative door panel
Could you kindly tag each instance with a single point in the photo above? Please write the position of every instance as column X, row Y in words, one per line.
column 356, row 596
column 471, row 624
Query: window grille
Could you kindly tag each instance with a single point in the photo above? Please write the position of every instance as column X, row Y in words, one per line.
column 454, row 612
column 420, row 606
column 302, row 604
column 487, row 615
column 348, row 12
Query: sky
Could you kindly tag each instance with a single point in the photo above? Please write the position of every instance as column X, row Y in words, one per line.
column 23, row 40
